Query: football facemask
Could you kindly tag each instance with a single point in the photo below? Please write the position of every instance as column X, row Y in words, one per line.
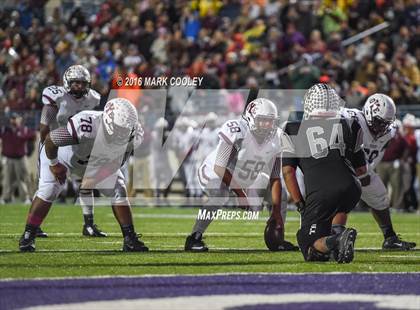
column 379, row 126
column 264, row 128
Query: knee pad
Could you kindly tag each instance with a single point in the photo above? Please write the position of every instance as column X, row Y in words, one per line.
column 375, row 195
column 49, row 191
column 118, row 194
column 381, row 204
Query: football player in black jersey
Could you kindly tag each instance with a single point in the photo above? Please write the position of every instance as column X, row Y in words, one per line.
column 327, row 148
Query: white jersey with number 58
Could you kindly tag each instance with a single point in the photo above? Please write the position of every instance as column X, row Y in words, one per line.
column 374, row 148
column 252, row 158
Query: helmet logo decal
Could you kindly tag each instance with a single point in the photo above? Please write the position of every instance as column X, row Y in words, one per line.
column 375, row 107
column 252, row 108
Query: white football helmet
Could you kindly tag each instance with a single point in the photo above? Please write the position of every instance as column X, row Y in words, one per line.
column 120, row 120
column 262, row 119
column 77, row 73
column 379, row 111
column 321, row 100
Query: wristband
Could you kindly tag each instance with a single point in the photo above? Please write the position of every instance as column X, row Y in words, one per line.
column 53, row 162
column 363, row 175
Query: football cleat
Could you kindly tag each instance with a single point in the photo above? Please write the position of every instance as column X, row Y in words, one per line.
column 194, row 243
column 27, row 242
column 93, row 231
column 345, row 249
column 134, row 244
column 395, row 243
column 40, row 233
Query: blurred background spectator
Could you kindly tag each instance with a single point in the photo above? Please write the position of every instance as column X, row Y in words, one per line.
column 228, row 41
column 14, row 138
column 233, row 44
column 410, row 197
column 392, row 169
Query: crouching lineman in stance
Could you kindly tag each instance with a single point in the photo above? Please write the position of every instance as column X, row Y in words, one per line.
column 321, row 145
column 245, row 162
column 92, row 146
column 59, row 104
column 377, row 123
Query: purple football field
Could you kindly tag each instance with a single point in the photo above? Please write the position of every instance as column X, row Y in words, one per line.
column 241, row 291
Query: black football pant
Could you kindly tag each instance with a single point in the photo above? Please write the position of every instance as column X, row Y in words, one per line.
column 321, row 207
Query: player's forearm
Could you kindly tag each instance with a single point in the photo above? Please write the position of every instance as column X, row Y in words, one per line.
column 363, row 175
column 289, row 175
column 48, row 116
column 44, row 130
column 276, row 195
column 55, row 139
column 51, row 150
column 227, row 178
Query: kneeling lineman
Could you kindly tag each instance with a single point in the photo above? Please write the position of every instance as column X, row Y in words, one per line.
column 327, row 148
column 245, row 163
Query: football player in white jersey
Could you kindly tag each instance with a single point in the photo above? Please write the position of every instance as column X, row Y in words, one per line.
column 93, row 146
column 245, row 162
column 377, row 122
column 59, row 104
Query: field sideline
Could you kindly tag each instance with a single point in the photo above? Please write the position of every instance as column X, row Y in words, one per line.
column 236, row 246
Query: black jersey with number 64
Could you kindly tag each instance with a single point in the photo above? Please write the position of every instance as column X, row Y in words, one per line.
column 326, row 150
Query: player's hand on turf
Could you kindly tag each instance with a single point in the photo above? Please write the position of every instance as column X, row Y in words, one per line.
column 59, row 171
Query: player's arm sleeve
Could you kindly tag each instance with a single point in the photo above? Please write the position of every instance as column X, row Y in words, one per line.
column 62, row 137
column 276, row 171
column 225, row 151
column 48, row 114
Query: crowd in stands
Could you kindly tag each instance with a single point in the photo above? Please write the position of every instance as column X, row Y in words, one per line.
column 232, row 44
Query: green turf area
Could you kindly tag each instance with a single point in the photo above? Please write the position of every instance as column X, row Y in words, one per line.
column 236, row 246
